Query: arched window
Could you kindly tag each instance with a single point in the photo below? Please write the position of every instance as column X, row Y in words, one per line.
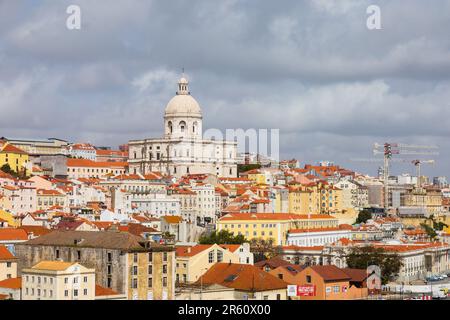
column 169, row 124
column 182, row 126
column 194, row 127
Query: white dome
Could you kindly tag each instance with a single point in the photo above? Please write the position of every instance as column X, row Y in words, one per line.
column 183, row 104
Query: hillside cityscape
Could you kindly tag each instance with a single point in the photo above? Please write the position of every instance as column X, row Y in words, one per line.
column 183, row 217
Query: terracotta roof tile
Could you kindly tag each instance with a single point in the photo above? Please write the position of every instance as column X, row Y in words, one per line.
column 241, row 277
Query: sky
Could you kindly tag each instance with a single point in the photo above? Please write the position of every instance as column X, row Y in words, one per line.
column 310, row 68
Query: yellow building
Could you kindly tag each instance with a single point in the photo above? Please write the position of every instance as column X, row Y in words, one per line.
column 257, row 176
column 428, row 198
column 272, row 225
column 193, row 262
column 16, row 158
column 8, row 217
column 58, row 280
column 316, row 198
column 301, row 200
column 47, row 199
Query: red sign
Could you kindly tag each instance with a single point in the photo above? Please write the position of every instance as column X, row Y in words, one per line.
column 306, row 291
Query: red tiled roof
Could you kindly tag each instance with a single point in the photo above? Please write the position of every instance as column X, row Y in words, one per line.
column 9, row 148
column 273, row 216
column 12, row 234
column 102, row 291
column 6, row 255
column 93, row 164
column 241, row 277
column 12, row 283
column 36, row 230
column 190, row 251
column 331, row 273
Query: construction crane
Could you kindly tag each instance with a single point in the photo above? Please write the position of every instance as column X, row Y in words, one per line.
column 388, row 150
column 418, row 165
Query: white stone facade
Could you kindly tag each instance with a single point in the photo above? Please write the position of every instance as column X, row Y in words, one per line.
column 183, row 150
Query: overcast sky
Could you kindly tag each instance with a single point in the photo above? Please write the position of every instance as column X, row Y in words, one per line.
column 310, row 68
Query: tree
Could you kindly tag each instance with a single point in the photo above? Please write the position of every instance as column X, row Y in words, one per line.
column 389, row 263
column 7, row 169
column 248, row 167
column 264, row 249
column 429, row 230
column 363, row 216
column 221, row 237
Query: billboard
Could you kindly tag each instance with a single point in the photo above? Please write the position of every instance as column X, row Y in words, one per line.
column 301, row 291
column 306, row 291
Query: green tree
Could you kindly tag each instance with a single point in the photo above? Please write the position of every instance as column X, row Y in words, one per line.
column 247, row 167
column 7, row 169
column 264, row 249
column 429, row 230
column 221, row 237
column 389, row 263
column 363, row 216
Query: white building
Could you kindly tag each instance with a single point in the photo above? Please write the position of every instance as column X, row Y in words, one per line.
column 206, row 203
column 182, row 150
column 157, row 205
column 318, row 237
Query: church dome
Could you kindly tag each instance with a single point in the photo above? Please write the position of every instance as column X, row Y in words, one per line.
column 183, row 104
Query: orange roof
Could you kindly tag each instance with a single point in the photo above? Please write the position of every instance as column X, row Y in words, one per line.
column 273, row 216
column 36, row 230
column 12, row 283
column 298, row 248
column 9, row 148
column 331, row 273
column 5, row 254
column 172, row 219
column 102, row 291
column 188, row 251
column 13, row 234
column 319, row 229
column 43, row 192
column 231, row 247
column 241, row 277
column 93, row 164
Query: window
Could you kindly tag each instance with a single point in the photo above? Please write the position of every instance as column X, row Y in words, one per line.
column 165, row 256
column 85, row 279
column 75, row 293
column 150, row 269
column 51, row 294
column 79, row 255
column 266, row 298
column 278, row 296
column 164, row 269
column 66, row 293
column 109, row 282
column 109, row 257
column 66, row 280
column 135, row 271
column 164, row 281
column 134, row 284
column 150, row 282
column 75, row 280
column 308, row 279
column 57, row 254
column 211, row 257
column 219, row 256
column 8, row 264
column 135, row 258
